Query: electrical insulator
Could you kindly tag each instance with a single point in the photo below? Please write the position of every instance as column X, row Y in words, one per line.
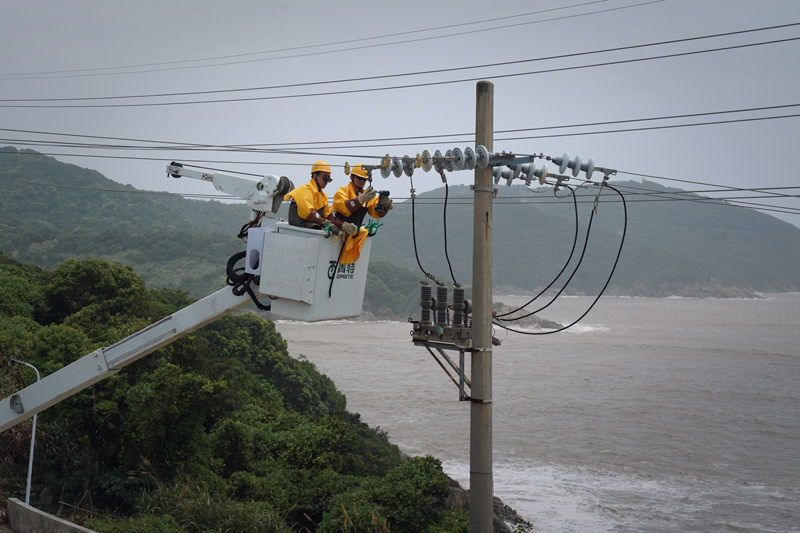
column 427, row 302
column 386, row 166
column 449, row 165
column 481, row 156
column 575, row 165
column 458, row 307
column 588, row 167
column 441, row 305
column 408, row 165
column 541, row 173
column 469, row 158
column 526, row 170
column 508, row 175
column 562, row 162
column 397, row 167
column 438, row 162
column 458, row 162
column 427, row 161
column 496, row 171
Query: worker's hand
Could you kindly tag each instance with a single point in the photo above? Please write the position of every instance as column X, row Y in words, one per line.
column 350, row 228
column 330, row 228
column 385, row 202
column 367, row 195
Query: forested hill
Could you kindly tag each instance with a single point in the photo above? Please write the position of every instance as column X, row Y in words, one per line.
column 52, row 211
column 671, row 247
column 686, row 247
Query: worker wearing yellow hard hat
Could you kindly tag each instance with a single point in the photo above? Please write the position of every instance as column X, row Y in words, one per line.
column 309, row 207
column 351, row 204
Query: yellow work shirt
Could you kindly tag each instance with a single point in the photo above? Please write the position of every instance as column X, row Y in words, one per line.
column 309, row 197
column 345, row 193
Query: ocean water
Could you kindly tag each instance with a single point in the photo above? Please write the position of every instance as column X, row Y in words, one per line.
column 649, row 415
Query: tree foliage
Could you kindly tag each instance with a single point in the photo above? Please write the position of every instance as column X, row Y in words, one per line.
column 221, row 430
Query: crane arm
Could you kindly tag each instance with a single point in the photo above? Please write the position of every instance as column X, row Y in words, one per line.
column 264, row 195
column 105, row 362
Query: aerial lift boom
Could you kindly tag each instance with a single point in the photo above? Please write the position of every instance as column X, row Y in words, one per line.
column 105, row 362
column 284, row 257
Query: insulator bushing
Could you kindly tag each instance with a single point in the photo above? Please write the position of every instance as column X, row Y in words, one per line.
column 441, row 305
column 458, row 307
column 426, row 302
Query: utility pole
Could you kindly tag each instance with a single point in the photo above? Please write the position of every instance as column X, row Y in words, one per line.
column 481, row 484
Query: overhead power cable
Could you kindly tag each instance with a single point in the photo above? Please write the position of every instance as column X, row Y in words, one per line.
column 407, row 86
column 501, row 316
column 611, row 274
column 526, row 200
column 336, row 43
column 428, row 138
column 416, row 73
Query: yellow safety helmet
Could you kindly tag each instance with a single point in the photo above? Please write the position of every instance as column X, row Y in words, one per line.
column 359, row 170
column 321, row 166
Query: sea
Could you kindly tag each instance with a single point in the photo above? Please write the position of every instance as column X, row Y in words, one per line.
column 649, row 414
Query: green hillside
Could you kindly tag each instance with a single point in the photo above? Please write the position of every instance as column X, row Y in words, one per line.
column 671, row 247
column 169, row 241
column 221, row 430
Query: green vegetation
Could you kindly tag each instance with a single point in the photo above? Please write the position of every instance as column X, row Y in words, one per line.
column 219, row 431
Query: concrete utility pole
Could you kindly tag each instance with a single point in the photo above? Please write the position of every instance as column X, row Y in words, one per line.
column 481, row 483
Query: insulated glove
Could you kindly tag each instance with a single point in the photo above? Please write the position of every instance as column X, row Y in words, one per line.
column 330, row 228
column 367, row 195
column 385, row 202
column 350, row 228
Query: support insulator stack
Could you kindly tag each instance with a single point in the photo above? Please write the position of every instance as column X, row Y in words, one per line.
column 426, row 301
column 458, row 307
column 441, row 305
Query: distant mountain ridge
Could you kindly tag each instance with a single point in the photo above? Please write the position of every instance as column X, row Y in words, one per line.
column 671, row 247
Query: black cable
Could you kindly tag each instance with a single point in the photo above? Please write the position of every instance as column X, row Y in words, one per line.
column 569, row 279
column 571, row 253
column 444, row 137
column 336, row 265
column 444, row 221
column 436, row 37
column 616, row 261
column 414, row 235
column 407, row 86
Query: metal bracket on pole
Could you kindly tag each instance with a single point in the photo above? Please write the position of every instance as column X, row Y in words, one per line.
column 484, row 188
column 463, row 380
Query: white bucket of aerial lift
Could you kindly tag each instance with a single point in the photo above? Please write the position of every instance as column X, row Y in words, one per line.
column 297, row 266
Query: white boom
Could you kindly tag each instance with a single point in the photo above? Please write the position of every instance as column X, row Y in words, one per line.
column 297, row 268
column 105, row 362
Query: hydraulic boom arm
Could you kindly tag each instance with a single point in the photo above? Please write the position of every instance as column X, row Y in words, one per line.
column 105, row 362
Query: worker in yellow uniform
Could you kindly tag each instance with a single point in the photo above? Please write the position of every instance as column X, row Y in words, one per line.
column 351, row 204
column 309, row 207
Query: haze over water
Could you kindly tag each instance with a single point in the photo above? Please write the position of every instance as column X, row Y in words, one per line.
column 649, row 415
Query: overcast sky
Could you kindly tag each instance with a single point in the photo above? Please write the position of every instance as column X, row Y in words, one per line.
column 69, row 54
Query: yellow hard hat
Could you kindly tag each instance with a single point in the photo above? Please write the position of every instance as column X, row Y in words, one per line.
column 321, row 166
column 359, row 170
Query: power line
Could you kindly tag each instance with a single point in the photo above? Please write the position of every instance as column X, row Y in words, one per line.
column 429, row 138
column 305, row 150
column 526, row 200
column 417, row 73
column 336, row 43
column 407, row 86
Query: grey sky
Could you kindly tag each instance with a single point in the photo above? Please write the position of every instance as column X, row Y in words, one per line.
column 54, row 49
